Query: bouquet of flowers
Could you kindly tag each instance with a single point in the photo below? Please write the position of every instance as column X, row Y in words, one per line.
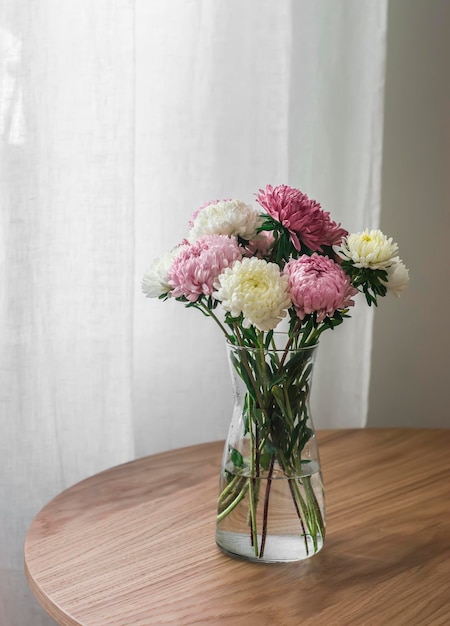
column 249, row 270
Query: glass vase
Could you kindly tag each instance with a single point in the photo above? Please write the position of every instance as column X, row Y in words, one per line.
column 271, row 502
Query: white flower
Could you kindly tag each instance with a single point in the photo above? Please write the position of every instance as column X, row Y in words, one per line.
column 256, row 289
column 370, row 249
column 397, row 277
column 225, row 217
column 155, row 280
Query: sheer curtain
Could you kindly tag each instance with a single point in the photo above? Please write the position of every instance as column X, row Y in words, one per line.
column 66, row 274
column 118, row 118
column 250, row 93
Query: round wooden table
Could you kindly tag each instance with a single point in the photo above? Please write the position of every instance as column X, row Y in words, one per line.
column 134, row 546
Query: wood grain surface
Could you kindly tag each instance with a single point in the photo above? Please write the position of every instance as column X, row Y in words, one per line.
column 134, row 546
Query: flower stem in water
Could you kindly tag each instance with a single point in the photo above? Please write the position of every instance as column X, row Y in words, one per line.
column 251, row 483
column 299, row 514
column 233, row 504
column 266, row 507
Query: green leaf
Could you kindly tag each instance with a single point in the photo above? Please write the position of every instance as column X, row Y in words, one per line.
column 306, row 435
column 269, row 447
column 276, row 380
column 264, row 460
column 268, row 339
column 236, row 458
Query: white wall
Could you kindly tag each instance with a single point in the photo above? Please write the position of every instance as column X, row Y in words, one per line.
column 410, row 360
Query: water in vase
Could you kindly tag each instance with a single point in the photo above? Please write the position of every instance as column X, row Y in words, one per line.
column 288, row 516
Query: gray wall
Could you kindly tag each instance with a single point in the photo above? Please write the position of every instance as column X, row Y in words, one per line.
column 410, row 381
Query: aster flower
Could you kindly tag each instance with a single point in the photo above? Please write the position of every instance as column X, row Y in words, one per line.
column 256, row 289
column 155, row 282
column 370, row 249
column 303, row 218
column 318, row 285
column 397, row 277
column 225, row 217
column 261, row 245
column 197, row 266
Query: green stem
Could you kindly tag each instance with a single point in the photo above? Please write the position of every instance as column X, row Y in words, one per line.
column 303, row 510
column 202, row 306
column 230, row 486
column 311, row 496
column 249, row 369
column 288, row 345
column 299, row 514
column 230, row 491
column 310, row 510
column 235, row 502
column 266, row 507
column 252, row 494
column 251, row 484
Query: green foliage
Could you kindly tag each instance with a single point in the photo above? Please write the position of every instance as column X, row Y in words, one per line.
column 283, row 248
column 205, row 304
column 276, row 403
column 236, row 458
column 372, row 283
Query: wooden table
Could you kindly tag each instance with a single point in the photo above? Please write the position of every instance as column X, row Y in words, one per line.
column 134, row 546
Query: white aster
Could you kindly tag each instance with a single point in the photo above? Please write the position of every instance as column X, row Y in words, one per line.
column 397, row 277
column 256, row 289
column 371, row 249
column 225, row 217
column 155, row 281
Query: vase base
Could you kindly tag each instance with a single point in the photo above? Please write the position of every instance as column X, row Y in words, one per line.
column 278, row 548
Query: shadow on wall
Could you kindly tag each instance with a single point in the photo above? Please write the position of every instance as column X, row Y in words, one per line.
column 411, row 341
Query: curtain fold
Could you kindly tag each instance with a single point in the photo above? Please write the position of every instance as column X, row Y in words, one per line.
column 118, row 119
column 66, row 196
column 335, row 143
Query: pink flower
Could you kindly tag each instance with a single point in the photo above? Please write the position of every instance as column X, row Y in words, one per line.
column 302, row 217
column 198, row 265
column 261, row 245
column 318, row 284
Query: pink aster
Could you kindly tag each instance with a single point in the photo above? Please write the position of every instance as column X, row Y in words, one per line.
column 303, row 218
column 261, row 245
column 318, row 284
column 198, row 265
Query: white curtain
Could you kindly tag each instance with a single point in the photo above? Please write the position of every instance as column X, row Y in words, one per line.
column 118, row 118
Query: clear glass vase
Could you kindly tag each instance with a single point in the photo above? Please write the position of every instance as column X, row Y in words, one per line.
column 271, row 503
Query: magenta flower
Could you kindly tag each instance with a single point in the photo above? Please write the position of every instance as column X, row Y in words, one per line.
column 198, row 265
column 303, row 218
column 318, row 284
